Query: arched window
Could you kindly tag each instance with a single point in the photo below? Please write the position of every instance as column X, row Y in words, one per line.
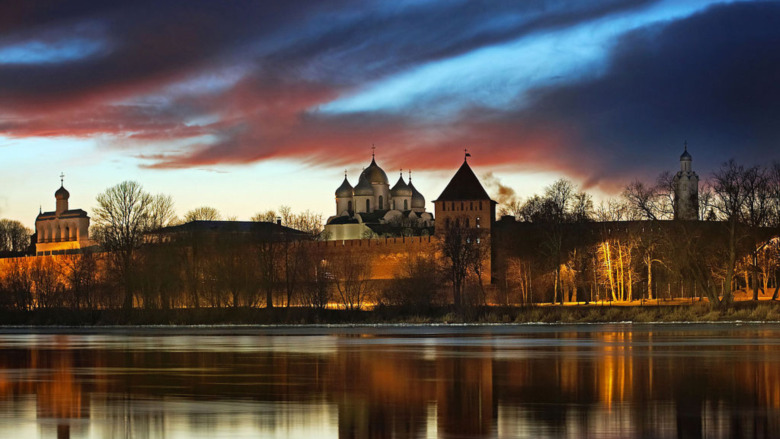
column 467, row 223
column 368, row 205
column 480, row 205
column 471, row 205
column 406, row 204
column 66, row 234
column 381, row 203
column 349, row 205
column 447, row 223
column 461, row 206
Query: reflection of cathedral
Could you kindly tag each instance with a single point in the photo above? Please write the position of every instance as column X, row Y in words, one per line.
column 373, row 208
column 62, row 231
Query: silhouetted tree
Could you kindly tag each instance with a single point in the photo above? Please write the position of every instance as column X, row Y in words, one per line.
column 203, row 213
column 351, row 270
column 415, row 284
column 14, row 237
column 121, row 218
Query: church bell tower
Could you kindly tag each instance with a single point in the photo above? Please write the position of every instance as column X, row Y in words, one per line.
column 686, row 190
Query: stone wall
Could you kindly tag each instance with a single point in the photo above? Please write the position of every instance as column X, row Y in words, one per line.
column 386, row 254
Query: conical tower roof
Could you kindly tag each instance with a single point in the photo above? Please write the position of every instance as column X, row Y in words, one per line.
column 464, row 186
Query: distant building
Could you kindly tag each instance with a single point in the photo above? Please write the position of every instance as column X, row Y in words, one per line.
column 63, row 230
column 373, row 208
column 265, row 231
column 686, row 190
column 466, row 201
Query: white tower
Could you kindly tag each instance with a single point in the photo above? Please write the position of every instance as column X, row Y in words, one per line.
column 686, row 190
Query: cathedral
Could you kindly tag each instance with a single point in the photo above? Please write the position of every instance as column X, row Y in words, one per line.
column 63, row 230
column 686, row 190
column 373, row 208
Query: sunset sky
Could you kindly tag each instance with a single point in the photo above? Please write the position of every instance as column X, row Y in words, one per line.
column 246, row 105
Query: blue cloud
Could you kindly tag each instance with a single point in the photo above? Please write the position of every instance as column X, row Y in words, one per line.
column 44, row 52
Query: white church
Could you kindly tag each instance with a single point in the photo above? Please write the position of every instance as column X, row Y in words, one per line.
column 372, row 208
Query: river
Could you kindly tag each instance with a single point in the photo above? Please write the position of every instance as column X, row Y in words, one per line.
column 503, row 381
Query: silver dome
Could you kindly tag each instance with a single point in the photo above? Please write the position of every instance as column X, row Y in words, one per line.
column 401, row 189
column 363, row 187
column 345, row 190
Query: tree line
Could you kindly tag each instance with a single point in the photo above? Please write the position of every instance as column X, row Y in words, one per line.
column 623, row 250
column 638, row 251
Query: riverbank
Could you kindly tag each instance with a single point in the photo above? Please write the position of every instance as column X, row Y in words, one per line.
column 698, row 312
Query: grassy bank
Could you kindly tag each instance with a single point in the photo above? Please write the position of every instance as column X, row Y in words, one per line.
column 741, row 311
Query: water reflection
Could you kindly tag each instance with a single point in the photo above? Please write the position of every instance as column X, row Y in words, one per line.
column 559, row 381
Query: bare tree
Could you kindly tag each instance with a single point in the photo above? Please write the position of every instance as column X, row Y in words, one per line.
column 642, row 199
column 17, row 285
column 351, row 271
column 203, row 213
column 729, row 189
column 318, row 278
column 664, row 188
column 415, row 284
column 14, row 237
column 121, row 219
column 269, row 216
column 756, row 214
column 47, row 279
column 161, row 212
column 512, row 208
column 83, row 279
column 460, row 248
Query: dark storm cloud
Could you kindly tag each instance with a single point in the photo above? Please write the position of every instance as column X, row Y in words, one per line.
column 152, row 42
column 711, row 79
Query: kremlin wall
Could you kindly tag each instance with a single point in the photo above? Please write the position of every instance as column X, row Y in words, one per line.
column 361, row 213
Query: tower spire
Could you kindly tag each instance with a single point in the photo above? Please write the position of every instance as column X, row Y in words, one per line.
column 410, row 176
column 373, row 151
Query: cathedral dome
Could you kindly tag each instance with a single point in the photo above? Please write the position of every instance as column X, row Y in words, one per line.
column 345, row 190
column 686, row 155
column 418, row 201
column 401, row 189
column 363, row 188
column 62, row 193
column 374, row 174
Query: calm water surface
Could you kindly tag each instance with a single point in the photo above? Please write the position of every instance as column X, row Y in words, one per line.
column 611, row 381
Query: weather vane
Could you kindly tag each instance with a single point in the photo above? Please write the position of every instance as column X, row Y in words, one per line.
column 410, row 176
column 466, row 154
column 62, row 179
column 345, row 173
column 373, row 150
